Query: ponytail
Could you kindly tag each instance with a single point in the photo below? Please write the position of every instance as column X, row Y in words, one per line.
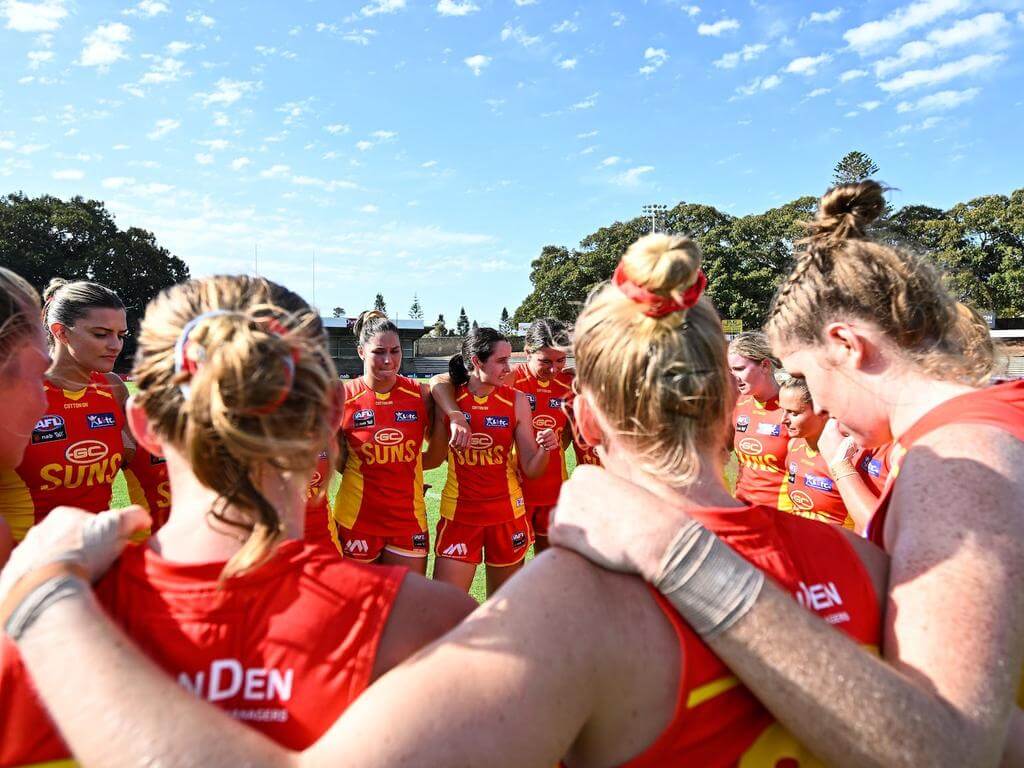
column 457, row 370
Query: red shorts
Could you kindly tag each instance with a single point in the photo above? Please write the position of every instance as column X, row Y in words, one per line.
column 366, row 548
column 500, row 544
column 540, row 518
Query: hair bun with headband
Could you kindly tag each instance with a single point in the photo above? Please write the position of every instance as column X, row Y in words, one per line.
column 662, row 273
column 845, row 213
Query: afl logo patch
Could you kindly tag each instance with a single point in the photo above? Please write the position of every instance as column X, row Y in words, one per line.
column 100, row 420
column 48, row 429
column 478, row 441
column 742, row 422
column 405, row 417
column 363, row 418
column 388, row 436
column 495, row 422
column 86, row 452
column 533, row 401
column 801, row 500
column 751, row 446
column 419, row 541
column 544, row 421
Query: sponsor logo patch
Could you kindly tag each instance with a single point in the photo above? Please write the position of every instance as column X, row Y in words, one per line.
column 872, row 466
column 48, row 429
column 533, row 401
column 419, row 541
column 555, row 403
column 456, row 550
column 100, row 420
column 821, row 483
column 86, row 452
column 518, row 540
column 519, row 501
column 751, row 446
column 405, row 417
column 357, row 547
column 544, row 421
column 771, row 430
column 388, row 436
column 742, row 423
column 495, row 422
column 363, row 418
column 478, row 441
column 792, row 471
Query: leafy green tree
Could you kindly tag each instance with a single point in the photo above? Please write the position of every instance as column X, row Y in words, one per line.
column 439, row 328
column 462, row 324
column 855, row 166
column 416, row 311
column 505, row 324
column 339, row 311
column 379, row 305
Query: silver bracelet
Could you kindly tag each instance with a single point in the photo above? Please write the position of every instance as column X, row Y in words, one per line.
column 39, row 599
column 710, row 585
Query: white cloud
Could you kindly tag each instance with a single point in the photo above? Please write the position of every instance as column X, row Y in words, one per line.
column 336, row 128
column 690, row 10
column 618, row 19
column 870, row 106
column 70, row 174
column 37, row 58
column 163, row 127
column 477, row 63
column 632, row 177
column 587, row 135
column 925, row 77
column 147, row 8
column 567, row 63
column 369, row 208
column 826, row 17
column 759, row 84
column 105, row 45
column 364, row 145
column 275, row 171
column 521, row 3
column 221, row 120
column 178, row 47
column 214, row 145
column 564, row 26
column 428, row 164
column 163, row 70
column 377, row 7
column 195, row 17
column 807, row 65
column 608, row 161
column 588, row 103
column 239, row 163
column 453, row 8
column 985, row 26
column 518, row 34
column 45, row 16
column 852, row 74
column 385, row 135
column 588, row 150
column 925, row 125
column 747, row 53
column 899, row 22
column 228, row 91
column 31, row 149
column 328, row 185
column 716, row 29
column 204, row 158
column 818, row 92
column 939, row 101
column 655, row 58
column 117, row 182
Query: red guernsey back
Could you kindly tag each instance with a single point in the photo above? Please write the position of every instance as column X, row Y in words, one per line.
column 75, row 452
column 760, row 443
column 148, row 486
column 717, row 722
column 809, row 489
column 482, row 486
column 382, row 485
column 546, row 397
column 284, row 648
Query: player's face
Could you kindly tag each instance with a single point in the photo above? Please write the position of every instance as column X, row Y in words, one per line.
column 799, row 417
column 546, row 362
column 96, row 339
column 495, row 371
column 21, row 381
column 752, row 377
column 382, row 356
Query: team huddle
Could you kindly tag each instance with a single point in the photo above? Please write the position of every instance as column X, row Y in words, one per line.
column 807, row 613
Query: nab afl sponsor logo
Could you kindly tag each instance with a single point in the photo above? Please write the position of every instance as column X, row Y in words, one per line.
column 419, row 541
column 100, row 420
column 363, row 418
column 742, row 423
column 388, row 436
column 86, row 452
column 533, row 401
column 801, row 500
column 478, row 441
column 544, row 421
column 751, row 446
column 405, row 417
column 792, row 471
column 48, row 429
column 495, row 422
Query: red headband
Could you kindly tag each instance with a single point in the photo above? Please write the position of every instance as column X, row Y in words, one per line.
column 659, row 306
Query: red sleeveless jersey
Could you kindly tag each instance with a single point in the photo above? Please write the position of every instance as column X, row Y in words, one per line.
column 75, row 452
column 284, row 648
column 382, row 485
column 483, row 486
column 1000, row 406
column 873, row 466
column 809, row 489
column 148, row 486
column 546, row 397
column 760, row 444
column 717, row 722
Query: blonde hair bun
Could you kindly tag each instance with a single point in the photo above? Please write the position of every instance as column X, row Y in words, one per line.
column 663, row 264
column 845, row 212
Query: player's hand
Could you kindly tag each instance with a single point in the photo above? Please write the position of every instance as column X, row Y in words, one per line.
column 614, row 523
column 547, row 439
column 834, row 446
column 459, row 430
column 74, row 536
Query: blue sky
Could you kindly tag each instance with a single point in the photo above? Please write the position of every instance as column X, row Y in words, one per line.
column 435, row 147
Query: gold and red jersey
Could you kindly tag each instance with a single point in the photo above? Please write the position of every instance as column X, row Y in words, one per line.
column 382, row 484
column 74, row 454
column 717, row 722
column 546, row 398
column 318, row 508
column 760, row 442
column 284, row 648
column 809, row 489
column 873, row 466
column 483, row 485
column 148, row 486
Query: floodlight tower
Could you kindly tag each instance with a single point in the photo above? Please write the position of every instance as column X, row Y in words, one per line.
column 654, row 211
